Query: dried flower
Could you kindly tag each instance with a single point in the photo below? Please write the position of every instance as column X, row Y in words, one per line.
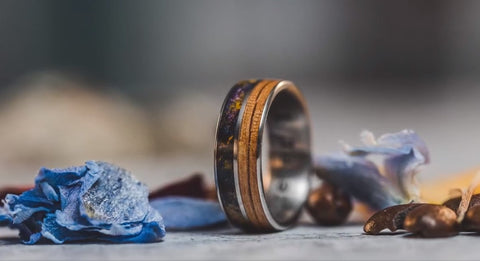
column 193, row 187
column 97, row 201
column 379, row 185
column 184, row 213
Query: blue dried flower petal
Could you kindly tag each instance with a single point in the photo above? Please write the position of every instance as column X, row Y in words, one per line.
column 61, row 176
column 97, row 201
column 147, row 231
column 360, row 178
column 408, row 140
column 5, row 218
column 128, row 198
column 48, row 191
column 402, row 152
column 30, row 198
column 402, row 142
column 34, row 238
column 182, row 213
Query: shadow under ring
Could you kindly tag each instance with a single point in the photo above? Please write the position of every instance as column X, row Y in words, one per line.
column 263, row 155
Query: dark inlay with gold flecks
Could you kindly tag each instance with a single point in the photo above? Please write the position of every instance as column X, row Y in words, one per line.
column 224, row 158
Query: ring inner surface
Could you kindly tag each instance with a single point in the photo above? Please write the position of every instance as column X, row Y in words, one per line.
column 286, row 158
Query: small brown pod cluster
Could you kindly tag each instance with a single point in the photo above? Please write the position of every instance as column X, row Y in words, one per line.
column 427, row 220
column 453, row 203
column 431, row 221
column 329, row 205
column 471, row 221
column 391, row 218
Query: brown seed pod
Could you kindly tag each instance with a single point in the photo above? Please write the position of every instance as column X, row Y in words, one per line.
column 329, row 205
column 471, row 222
column 432, row 221
column 391, row 218
column 453, row 203
column 194, row 186
column 17, row 190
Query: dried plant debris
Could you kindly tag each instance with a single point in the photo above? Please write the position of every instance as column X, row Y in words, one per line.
column 96, row 201
column 13, row 190
column 466, row 198
column 471, row 222
column 426, row 220
column 471, row 219
column 391, row 218
column 192, row 187
column 183, row 213
column 329, row 205
column 453, row 203
column 431, row 220
column 379, row 185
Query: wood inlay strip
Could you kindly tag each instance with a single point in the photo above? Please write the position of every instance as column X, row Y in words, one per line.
column 243, row 144
column 253, row 155
column 248, row 152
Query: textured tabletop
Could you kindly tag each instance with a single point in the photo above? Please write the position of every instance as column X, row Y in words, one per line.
column 300, row 243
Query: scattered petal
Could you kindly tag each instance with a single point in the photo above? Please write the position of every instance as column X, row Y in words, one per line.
column 360, row 178
column 97, row 201
column 182, row 213
column 404, row 152
column 379, row 185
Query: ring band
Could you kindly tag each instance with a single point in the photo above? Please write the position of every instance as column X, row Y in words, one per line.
column 263, row 155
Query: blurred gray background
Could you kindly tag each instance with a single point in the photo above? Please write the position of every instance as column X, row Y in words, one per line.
column 140, row 83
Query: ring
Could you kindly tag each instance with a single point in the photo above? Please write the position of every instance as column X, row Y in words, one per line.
column 263, row 159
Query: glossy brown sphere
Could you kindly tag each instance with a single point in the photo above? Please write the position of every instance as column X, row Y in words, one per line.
column 329, row 205
column 432, row 221
column 471, row 222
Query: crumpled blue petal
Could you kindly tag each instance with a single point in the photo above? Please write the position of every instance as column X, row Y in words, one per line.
column 183, row 213
column 5, row 218
column 97, row 201
column 360, row 178
column 390, row 182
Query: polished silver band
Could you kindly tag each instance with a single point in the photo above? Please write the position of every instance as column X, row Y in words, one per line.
column 263, row 155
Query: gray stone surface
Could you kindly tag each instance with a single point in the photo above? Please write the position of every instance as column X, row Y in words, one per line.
column 304, row 242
